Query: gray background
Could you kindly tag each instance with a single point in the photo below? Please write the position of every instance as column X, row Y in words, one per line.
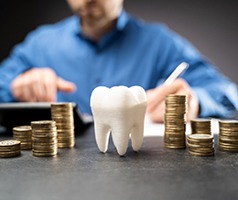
column 210, row 25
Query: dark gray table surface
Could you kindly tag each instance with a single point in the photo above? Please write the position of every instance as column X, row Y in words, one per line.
column 153, row 173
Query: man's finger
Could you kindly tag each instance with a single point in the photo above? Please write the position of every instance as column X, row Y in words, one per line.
column 65, row 86
column 50, row 88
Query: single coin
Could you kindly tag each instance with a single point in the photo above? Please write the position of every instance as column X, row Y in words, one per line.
column 6, row 143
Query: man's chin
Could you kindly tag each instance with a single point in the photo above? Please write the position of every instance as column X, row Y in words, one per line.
column 92, row 17
column 90, row 14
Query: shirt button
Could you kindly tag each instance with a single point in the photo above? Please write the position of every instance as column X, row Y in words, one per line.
column 97, row 80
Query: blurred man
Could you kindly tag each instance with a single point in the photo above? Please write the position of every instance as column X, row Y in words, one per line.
column 102, row 45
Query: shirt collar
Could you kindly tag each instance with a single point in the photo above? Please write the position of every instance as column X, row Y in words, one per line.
column 122, row 21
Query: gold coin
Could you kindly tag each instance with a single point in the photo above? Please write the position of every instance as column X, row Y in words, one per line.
column 44, row 139
column 22, row 129
column 201, row 126
column 26, row 147
column 44, row 148
column 231, row 139
column 173, row 134
column 200, row 137
column 11, row 148
column 65, row 133
column 201, row 154
column 228, row 133
column 61, row 104
column 46, row 135
column 222, row 144
column 176, row 97
column 228, row 122
column 174, row 140
column 7, row 143
column 44, row 154
column 10, row 154
column 201, row 149
column 173, row 146
column 43, row 124
column 44, row 144
column 66, row 140
column 22, row 139
column 227, row 148
column 200, row 145
column 64, row 121
column 66, row 145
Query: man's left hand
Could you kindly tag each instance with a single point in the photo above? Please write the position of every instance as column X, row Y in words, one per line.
column 156, row 100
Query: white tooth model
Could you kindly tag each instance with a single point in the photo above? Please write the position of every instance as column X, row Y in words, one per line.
column 120, row 110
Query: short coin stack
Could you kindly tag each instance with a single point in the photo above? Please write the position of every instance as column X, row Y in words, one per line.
column 44, row 138
column 228, row 135
column 175, row 121
column 62, row 114
column 10, row 148
column 201, row 126
column 23, row 134
column 200, row 144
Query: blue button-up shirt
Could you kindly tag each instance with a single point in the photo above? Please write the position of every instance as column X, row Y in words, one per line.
column 133, row 53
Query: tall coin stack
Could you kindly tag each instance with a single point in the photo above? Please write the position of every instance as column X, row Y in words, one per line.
column 23, row 134
column 10, row 148
column 62, row 114
column 228, row 135
column 201, row 126
column 44, row 138
column 200, row 144
column 175, row 121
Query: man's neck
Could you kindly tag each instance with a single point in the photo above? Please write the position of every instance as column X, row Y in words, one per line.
column 95, row 30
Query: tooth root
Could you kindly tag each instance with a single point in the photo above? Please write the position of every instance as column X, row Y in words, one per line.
column 102, row 133
column 120, row 140
column 137, row 137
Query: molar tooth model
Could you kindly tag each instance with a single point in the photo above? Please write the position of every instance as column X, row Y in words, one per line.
column 121, row 111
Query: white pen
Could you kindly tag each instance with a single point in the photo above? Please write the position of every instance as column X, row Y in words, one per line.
column 178, row 71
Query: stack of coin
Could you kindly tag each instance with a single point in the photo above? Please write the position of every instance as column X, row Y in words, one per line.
column 62, row 114
column 228, row 135
column 201, row 126
column 175, row 121
column 44, row 138
column 10, row 148
column 200, row 144
column 23, row 134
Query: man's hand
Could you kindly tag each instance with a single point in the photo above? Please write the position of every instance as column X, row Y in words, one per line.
column 39, row 85
column 156, row 100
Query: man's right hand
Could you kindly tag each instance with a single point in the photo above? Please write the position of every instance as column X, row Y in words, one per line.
column 39, row 85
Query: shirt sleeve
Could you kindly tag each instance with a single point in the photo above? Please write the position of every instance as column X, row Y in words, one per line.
column 19, row 61
column 217, row 94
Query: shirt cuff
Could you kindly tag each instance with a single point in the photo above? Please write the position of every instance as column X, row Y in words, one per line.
column 209, row 107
